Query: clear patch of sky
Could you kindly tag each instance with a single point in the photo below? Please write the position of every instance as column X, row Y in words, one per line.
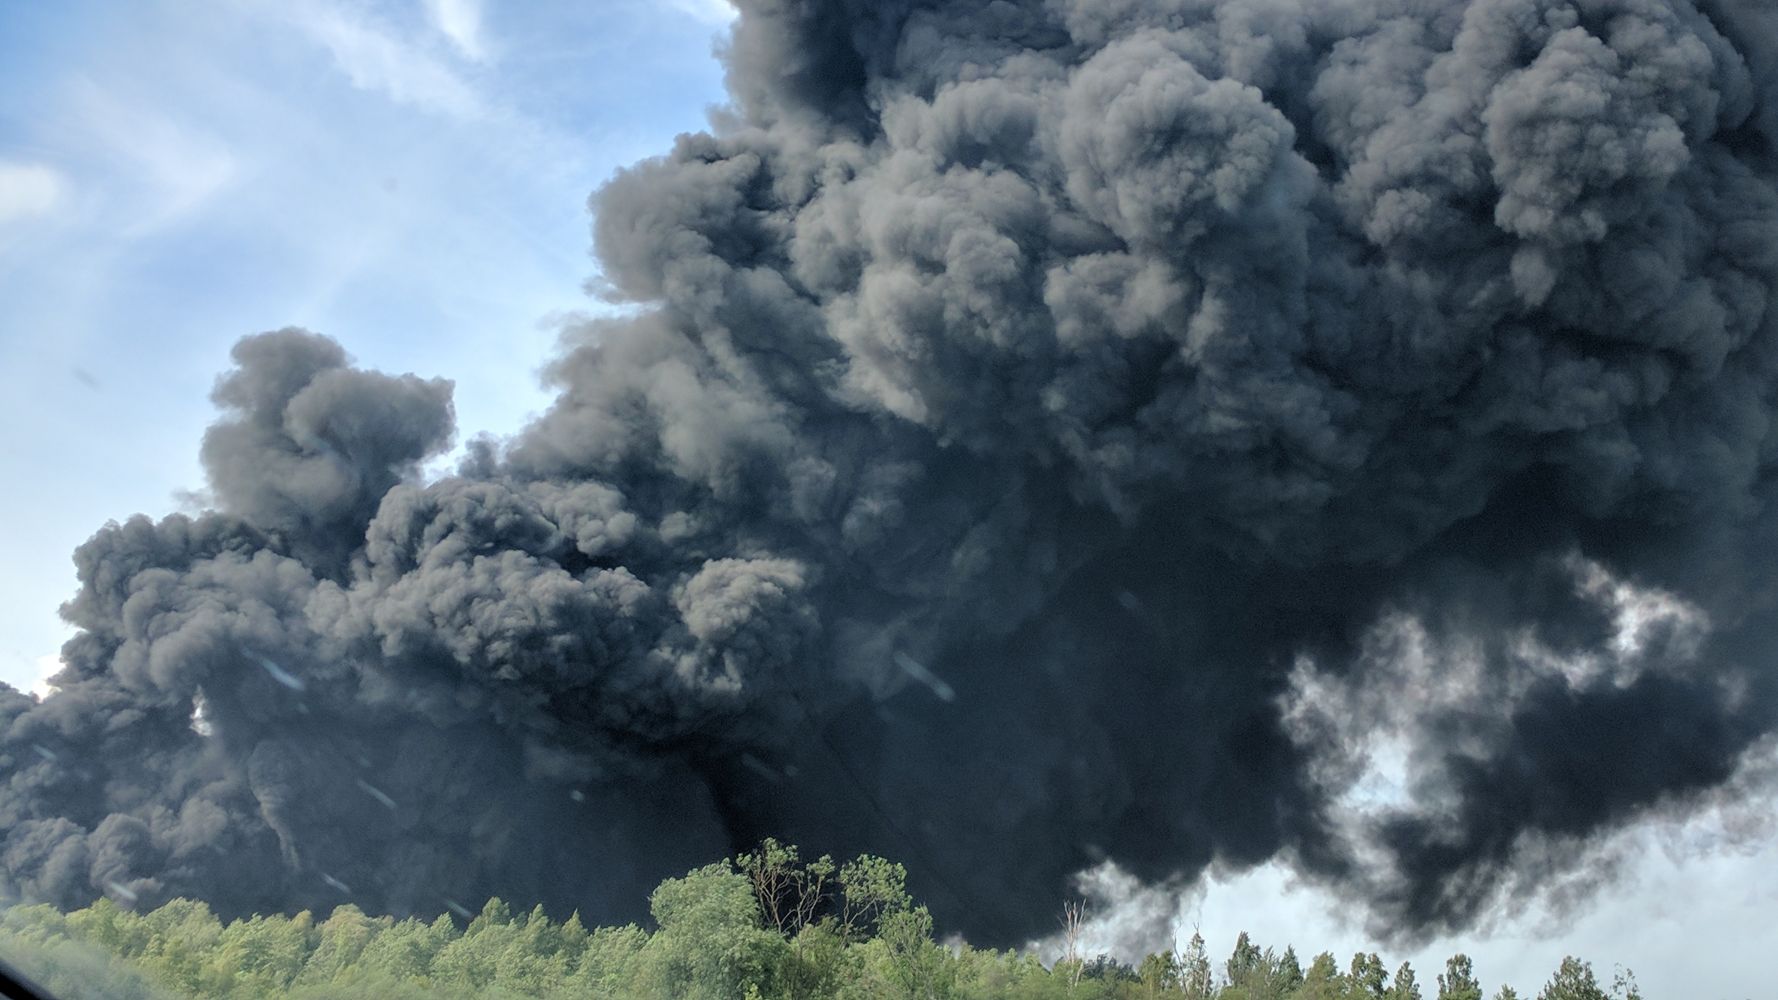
column 1684, row 907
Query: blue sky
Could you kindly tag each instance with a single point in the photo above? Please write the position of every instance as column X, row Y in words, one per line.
column 410, row 177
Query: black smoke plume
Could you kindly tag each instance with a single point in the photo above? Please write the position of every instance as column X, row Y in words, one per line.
column 1045, row 432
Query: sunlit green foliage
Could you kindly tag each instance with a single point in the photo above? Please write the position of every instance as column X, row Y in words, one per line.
column 769, row 925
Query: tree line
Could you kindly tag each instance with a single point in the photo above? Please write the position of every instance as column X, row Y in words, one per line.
column 768, row 925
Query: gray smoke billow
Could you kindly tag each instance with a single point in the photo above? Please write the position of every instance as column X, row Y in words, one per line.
column 1046, row 432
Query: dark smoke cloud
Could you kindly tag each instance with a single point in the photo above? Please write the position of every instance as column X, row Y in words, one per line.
column 1049, row 432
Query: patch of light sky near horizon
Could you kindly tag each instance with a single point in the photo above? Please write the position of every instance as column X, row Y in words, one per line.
column 1635, row 900
column 1644, row 913
column 1669, row 900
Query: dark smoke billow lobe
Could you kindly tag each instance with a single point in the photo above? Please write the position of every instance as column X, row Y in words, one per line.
column 1052, row 432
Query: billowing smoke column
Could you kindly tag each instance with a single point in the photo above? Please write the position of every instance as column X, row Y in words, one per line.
column 1049, row 432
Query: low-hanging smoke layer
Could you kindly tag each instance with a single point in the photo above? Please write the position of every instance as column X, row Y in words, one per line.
column 1052, row 431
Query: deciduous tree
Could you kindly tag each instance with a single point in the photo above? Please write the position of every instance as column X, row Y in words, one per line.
column 1574, row 980
column 1458, row 981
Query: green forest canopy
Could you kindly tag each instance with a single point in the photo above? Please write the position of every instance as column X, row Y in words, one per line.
column 768, row 925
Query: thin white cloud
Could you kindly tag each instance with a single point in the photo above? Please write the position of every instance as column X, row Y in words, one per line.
column 460, row 21
column 164, row 167
column 28, row 190
column 716, row 13
column 375, row 59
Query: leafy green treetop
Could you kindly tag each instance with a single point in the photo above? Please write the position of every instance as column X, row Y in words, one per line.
column 790, row 891
column 404, row 951
column 870, row 889
column 268, row 952
column 1159, row 973
column 534, row 955
column 1323, row 980
column 710, row 945
column 1288, row 976
column 1404, row 987
column 1245, row 963
column 473, row 959
column 1368, row 980
column 917, row 966
column 1574, row 980
column 1458, row 981
column 610, row 961
column 1623, row 984
column 1196, row 981
column 343, row 939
